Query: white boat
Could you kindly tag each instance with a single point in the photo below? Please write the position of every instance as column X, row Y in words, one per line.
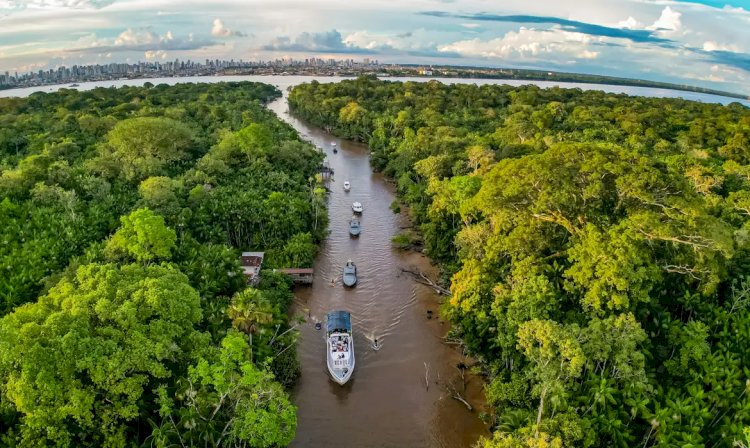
column 333, row 144
column 350, row 273
column 347, row 186
column 357, row 207
column 339, row 346
column 354, row 226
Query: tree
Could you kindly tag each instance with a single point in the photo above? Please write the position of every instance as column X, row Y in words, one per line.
column 249, row 310
column 142, row 236
column 79, row 364
column 226, row 401
column 299, row 251
column 160, row 194
column 145, row 146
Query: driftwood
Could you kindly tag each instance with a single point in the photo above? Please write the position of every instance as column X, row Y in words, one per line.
column 457, row 396
column 421, row 277
column 427, row 376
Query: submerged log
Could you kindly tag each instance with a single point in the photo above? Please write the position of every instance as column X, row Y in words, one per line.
column 421, row 277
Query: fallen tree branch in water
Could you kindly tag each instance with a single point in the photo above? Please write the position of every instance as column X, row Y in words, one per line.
column 460, row 398
column 427, row 376
column 457, row 396
column 421, row 277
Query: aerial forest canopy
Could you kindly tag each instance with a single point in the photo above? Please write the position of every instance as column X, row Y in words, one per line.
column 125, row 318
column 596, row 244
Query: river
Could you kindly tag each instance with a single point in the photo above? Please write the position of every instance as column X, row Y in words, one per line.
column 284, row 81
column 386, row 403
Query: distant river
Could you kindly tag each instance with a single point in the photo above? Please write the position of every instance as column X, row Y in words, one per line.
column 284, row 82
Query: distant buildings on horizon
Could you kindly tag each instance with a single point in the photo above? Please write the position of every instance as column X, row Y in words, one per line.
column 96, row 72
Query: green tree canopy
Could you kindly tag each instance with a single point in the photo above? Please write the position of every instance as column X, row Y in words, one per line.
column 78, row 364
column 142, row 236
column 146, row 146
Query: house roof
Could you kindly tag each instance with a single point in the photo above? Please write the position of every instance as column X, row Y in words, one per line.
column 252, row 258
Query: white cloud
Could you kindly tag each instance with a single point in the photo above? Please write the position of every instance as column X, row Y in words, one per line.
column 630, row 23
column 52, row 4
column 715, row 46
column 139, row 37
column 158, row 54
column 669, row 20
column 527, row 43
column 471, row 26
column 220, row 30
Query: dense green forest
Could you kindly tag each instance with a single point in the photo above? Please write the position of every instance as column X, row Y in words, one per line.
column 596, row 245
column 126, row 319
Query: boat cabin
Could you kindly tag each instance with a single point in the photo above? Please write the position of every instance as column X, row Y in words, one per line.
column 339, row 346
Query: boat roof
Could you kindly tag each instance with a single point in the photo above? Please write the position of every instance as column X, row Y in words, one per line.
column 339, row 320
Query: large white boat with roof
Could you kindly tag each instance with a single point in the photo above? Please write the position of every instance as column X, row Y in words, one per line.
column 340, row 346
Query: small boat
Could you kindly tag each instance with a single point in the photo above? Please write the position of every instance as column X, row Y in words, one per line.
column 354, row 226
column 350, row 273
column 340, row 346
column 333, row 144
column 347, row 186
column 335, row 151
column 357, row 207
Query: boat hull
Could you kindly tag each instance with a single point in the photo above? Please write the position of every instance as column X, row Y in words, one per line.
column 340, row 358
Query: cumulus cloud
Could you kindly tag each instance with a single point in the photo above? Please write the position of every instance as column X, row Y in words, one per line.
column 630, row 23
column 325, row 42
column 527, row 43
column 50, row 4
column 593, row 29
column 670, row 20
column 158, row 54
column 715, row 46
column 220, row 30
column 140, row 39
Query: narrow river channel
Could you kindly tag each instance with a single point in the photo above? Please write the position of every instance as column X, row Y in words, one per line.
column 386, row 403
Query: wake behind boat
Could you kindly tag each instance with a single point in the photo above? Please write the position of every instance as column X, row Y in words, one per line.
column 339, row 346
column 350, row 273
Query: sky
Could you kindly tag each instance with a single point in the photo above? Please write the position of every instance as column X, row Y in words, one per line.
column 695, row 42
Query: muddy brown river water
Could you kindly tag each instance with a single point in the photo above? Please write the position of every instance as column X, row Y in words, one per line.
column 386, row 403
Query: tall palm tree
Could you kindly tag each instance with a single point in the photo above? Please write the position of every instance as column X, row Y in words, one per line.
column 247, row 310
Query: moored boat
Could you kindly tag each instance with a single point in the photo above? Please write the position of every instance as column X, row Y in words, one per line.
column 350, row 273
column 347, row 186
column 354, row 226
column 339, row 346
column 357, row 207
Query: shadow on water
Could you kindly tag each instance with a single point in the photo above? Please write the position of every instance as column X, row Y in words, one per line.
column 386, row 403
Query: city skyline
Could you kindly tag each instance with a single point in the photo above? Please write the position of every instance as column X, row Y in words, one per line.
column 704, row 43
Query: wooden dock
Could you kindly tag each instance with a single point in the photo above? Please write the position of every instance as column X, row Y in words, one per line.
column 299, row 275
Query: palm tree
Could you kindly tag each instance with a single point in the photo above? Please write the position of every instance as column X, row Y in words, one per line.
column 247, row 310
